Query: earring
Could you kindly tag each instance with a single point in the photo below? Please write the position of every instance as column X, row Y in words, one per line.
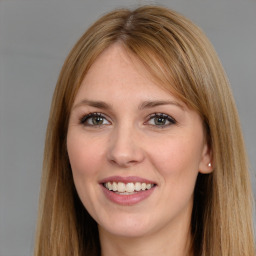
column 210, row 164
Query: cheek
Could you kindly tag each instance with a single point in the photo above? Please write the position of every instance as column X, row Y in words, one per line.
column 176, row 161
column 84, row 154
column 179, row 157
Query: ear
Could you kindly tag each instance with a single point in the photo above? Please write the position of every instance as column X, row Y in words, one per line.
column 206, row 165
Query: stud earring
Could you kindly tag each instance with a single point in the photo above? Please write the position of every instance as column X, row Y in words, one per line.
column 210, row 164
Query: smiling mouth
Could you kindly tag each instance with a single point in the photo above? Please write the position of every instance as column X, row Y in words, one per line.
column 128, row 188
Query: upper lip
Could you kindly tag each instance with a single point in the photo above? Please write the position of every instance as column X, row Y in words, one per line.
column 125, row 180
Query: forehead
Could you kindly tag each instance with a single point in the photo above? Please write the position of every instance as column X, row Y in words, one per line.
column 118, row 75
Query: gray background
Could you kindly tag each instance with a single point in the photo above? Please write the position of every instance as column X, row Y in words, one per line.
column 36, row 36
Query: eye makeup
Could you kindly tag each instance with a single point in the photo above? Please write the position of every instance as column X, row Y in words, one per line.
column 161, row 120
column 94, row 119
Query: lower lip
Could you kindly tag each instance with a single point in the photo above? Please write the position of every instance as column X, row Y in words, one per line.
column 128, row 199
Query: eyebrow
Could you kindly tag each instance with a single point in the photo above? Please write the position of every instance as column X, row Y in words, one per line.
column 92, row 103
column 143, row 105
column 152, row 104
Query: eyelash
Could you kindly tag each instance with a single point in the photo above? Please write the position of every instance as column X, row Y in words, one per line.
column 84, row 119
column 164, row 117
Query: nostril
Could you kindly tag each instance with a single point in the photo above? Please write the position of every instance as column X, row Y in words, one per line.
column 123, row 162
column 124, row 149
column 125, row 158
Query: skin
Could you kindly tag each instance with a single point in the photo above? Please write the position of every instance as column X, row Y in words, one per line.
column 130, row 143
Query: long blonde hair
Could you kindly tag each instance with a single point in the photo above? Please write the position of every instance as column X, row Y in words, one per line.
column 181, row 59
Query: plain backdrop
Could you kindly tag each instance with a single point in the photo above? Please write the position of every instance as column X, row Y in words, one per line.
column 36, row 36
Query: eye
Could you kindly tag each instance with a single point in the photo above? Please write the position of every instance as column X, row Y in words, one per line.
column 161, row 120
column 94, row 119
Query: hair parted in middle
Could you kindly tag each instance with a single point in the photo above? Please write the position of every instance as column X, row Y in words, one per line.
column 181, row 60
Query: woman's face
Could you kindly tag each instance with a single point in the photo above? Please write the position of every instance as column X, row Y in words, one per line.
column 135, row 150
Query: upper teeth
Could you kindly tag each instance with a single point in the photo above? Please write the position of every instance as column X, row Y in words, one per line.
column 128, row 187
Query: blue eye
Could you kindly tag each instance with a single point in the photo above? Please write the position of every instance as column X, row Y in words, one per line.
column 161, row 120
column 94, row 119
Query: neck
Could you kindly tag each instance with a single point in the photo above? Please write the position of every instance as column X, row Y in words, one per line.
column 175, row 243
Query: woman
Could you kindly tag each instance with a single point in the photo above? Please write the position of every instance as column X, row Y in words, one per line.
column 144, row 153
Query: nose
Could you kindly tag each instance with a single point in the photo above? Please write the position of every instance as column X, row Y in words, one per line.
column 125, row 148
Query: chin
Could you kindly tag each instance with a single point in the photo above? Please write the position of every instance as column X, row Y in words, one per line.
column 126, row 227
